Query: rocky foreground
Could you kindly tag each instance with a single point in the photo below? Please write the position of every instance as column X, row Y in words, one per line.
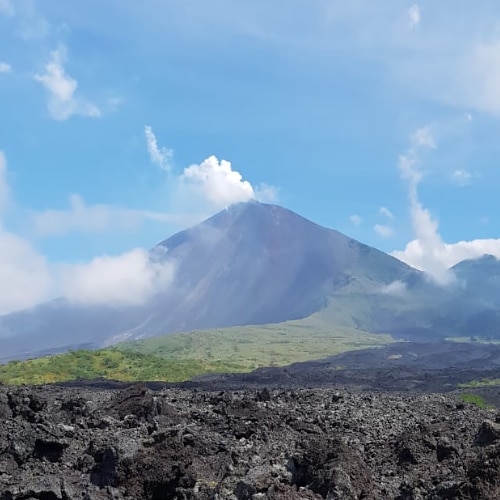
column 71, row 443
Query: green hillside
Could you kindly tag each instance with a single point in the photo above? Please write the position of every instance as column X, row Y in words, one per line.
column 250, row 347
column 182, row 356
column 107, row 363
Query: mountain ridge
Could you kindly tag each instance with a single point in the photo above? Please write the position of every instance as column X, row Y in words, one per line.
column 254, row 264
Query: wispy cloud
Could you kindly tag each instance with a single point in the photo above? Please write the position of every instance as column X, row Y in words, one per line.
column 386, row 213
column 96, row 218
column 5, row 67
column 266, row 193
column 355, row 219
column 414, row 16
column 396, row 288
column 6, row 8
column 160, row 156
column 62, row 99
column 4, row 187
column 383, row 230
column 427, row 251
column 461, row 177
column 423, row 252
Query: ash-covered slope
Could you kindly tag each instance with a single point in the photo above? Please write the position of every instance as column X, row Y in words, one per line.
column 255, row 263
column 252, row 263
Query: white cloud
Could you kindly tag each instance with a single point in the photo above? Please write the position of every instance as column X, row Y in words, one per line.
column 414, row 16
column 125, row 280
column 479, row 74
column 162, row 157
column 427, row 251
column 461, row 177
column 62, row 102
column 81, row 217
column 4, row 187
column 428, row 244
column 266, row 194
column 217, row 182
column 355, row 219
column 211, row 181
column 395, row 288
column 386, row 213
column 423, row 138
column 418, row 255
column 6, row 7
column 383, row 230
column 28, row 279
column 5, row 67
column 24, row 273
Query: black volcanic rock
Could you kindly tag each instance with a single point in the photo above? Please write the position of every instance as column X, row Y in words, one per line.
column 298, row 444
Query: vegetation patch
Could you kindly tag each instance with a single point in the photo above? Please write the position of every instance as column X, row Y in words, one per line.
column 251, row 347
column 484, row 382
column 180, row 357
column 475, row 399
column 107, row 363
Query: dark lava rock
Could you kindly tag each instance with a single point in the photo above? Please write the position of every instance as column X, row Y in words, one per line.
column 125, row 443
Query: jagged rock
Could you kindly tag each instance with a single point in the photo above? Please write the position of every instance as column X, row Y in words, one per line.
column 125, row 444
column 489, row 433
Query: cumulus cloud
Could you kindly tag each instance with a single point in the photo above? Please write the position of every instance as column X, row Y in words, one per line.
column 212, row 181
column 24, row 273
column 414, row 16
column 418, row 255
column 160, row 156
column 383, row 230
column 62, row 100
column 427, row 251
column 217, row 182
column 461, row 177
column 355, row 219
column 129, row 279
column 5, row 67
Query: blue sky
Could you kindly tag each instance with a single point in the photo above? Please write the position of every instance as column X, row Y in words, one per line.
column 379, row 119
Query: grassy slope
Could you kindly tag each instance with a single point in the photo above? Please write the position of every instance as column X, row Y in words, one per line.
column 182, row 356
column 250, row 347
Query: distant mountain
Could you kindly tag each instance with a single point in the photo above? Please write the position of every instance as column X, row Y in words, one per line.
column 256, row 263
column 481, row 278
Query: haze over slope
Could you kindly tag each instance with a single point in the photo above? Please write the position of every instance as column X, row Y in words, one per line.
column 255, row 263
